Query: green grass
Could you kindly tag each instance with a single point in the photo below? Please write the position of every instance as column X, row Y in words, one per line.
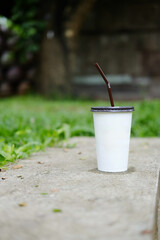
column 30, row 124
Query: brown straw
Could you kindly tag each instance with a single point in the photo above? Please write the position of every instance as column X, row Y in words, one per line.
column 107, row 83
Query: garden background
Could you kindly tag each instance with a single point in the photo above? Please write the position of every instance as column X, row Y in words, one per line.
column 48, row 82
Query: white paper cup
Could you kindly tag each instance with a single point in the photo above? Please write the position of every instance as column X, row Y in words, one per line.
column 112, row 131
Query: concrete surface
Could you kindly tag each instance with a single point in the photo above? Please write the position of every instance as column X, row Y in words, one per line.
column 93, row 205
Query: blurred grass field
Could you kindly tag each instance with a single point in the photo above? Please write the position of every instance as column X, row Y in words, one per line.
column 29, row 124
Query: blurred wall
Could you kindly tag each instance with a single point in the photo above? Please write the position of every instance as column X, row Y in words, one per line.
column 124, row 37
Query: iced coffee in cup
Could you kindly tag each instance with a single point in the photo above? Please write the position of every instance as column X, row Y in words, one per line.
column 112, row 131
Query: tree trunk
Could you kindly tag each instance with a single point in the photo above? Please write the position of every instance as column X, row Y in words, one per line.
column 57, row 57
column 52, row 71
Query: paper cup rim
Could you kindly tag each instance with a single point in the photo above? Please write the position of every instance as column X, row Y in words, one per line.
column 113, row 109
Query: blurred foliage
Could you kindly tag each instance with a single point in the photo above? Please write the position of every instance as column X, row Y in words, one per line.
column 17, row 62
column 20, row 37
column 27, row 25
column 30, row 124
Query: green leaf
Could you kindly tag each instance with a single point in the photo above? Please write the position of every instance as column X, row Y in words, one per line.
column 56, row 210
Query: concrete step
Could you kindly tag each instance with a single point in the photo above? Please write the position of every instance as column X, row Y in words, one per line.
column 92, row 205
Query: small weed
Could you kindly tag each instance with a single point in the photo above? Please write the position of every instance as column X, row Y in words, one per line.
column 56, row 210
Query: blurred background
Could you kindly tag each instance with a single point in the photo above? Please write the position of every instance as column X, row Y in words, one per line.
column 49, row 47
column 47, row 53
